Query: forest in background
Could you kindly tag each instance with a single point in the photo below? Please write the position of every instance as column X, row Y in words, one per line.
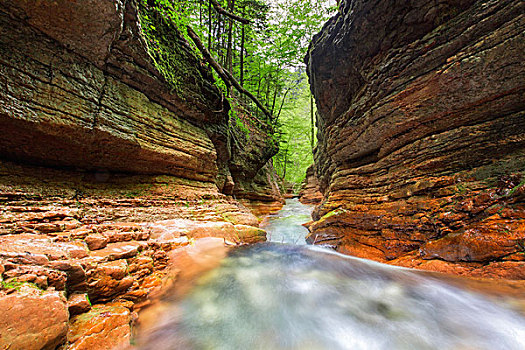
column 260, row 46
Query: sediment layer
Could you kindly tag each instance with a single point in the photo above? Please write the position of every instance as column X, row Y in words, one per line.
column 421, row 152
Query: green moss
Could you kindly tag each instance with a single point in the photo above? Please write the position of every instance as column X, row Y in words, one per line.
column 239, row 124
column 163, row 25
column 334, row 213
column 492, row 172
column 14, row 284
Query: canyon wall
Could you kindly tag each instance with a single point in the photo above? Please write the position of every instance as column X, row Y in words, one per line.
column 421, row 155
column 310, row 192
column 116, row 147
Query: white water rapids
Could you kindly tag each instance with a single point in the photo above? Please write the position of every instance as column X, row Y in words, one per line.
column 294, row 296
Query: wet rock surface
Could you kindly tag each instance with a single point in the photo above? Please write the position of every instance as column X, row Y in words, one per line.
column 97, row 152
column 421, row 134
column 103, row 327
column 32, row 319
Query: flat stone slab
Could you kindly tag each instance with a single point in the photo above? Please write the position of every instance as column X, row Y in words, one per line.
column 39, row 245
column 119, row 250
column 173, row 229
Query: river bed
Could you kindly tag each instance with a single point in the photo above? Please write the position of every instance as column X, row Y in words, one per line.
column 287, row 295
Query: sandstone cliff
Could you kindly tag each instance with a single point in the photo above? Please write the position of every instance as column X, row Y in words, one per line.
column 116, row 147
column 421, row 152
column 310, row 192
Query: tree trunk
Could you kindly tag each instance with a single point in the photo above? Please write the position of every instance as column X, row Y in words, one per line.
column 223, row 73
column 210, row 28
column 229, row 50
column 274, row 99
column 242, row 53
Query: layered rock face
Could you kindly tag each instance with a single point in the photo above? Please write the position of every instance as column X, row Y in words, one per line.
column 106, row 165
column 310, row 192
column 421, row 152
column 255, row 180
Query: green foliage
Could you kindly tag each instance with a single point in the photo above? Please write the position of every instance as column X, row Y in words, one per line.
column 265, row 56
column 163, row 24
column 295, row 152
column 239, row 124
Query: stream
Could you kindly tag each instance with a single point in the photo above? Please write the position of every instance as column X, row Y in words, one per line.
column 285, row 294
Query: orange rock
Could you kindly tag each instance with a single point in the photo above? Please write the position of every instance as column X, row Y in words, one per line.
column 78, row 304
column 33, row 320
column 171, row 229
column 120, row 250
column 107, row 280
column 41, row 245
column 105, row 327
column 96, row 241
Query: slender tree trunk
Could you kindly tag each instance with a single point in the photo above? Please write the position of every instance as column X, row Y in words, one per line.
column 242, row 53
column 268, row 91
column 200, row 13
column 229, row 50
column 210, row 27
column 274, row 99
column 260, row 78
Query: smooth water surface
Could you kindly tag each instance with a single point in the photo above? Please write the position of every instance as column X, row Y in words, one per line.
column 284, row 296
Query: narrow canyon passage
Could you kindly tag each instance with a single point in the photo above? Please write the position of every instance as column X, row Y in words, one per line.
column 293, row 296
column 147, row 148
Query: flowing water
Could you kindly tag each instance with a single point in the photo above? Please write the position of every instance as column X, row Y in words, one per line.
column 295, row 296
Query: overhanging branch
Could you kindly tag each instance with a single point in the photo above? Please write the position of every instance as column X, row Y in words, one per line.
column 222, row 11
column 226, row 76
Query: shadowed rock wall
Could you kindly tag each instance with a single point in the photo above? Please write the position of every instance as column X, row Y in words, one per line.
column 421, row 151
column 105, row 167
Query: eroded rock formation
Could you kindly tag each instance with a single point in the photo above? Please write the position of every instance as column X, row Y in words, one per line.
column 107, row 163
column 421, row 152
column 310, row 192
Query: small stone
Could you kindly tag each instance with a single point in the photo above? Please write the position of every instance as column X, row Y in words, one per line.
column 96, row 241
column 78, row 304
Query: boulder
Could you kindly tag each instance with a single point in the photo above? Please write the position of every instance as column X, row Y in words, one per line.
column 33, row 319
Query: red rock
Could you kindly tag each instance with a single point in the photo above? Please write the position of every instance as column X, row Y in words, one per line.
column 41, row 245
column 421, row 158
column 141, row 266
column 76, row 276
column 121, row 250
column 78, row 304
column 43, row 277
column 107, row 280
column 310, row 192
column 105, row 327
column 118, row 236
column 96, row 241
column 171, row 229
column 33, row 320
